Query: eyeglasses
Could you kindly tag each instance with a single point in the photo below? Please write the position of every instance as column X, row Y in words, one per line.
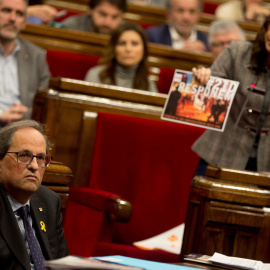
column 25, row 158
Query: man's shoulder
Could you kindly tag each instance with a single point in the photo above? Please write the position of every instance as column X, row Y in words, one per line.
column 241, row 46
column 202, row 37
column 30, row 47
column 46, row 193
column 78, row 22
column 158, row 29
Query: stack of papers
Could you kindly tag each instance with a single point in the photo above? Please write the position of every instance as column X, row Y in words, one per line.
column 228, row 262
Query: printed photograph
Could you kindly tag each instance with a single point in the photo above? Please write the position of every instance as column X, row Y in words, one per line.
column 191, row 103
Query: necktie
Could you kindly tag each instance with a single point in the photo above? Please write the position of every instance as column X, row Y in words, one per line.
column 34, row 247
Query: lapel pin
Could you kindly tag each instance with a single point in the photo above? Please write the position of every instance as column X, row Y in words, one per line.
column 42, row 224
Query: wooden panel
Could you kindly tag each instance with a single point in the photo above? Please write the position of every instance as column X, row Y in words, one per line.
column 65, row 114
column 58, row 178
column 228, row 218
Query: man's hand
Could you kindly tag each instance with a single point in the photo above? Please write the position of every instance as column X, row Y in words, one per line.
column 197, row 46
column 255, row 10
column 14, row 113
column 44, row 12
column 202, row 74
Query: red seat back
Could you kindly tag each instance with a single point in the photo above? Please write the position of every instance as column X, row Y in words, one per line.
column 70, row 65
column 209, row 7
column 165, row 78
column 151, row 164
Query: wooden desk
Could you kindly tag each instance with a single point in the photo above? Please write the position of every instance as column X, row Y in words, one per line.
column 228, row 212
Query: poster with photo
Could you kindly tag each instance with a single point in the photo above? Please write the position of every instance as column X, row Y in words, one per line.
column 191, row 103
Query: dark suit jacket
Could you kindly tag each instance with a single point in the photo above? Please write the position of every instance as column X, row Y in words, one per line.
column 45, row 206
column 161, row 35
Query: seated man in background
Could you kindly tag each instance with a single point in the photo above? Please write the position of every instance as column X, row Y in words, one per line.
column 243, row 10
column 23, row 67
column 222, row 33
column 180, row 32
column 31, row 222
column 103, row 17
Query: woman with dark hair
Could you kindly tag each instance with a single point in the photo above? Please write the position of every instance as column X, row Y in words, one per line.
column 245, row 142
column 125, row 60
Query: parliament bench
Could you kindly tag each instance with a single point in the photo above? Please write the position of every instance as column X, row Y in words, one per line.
column 69, row 109
column 148, row 16
column 51, row 38
column 65, row 108
column 75, row 66
column 228, row 212
column 145, row 161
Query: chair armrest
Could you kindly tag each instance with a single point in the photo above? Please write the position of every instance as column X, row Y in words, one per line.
column 115, row 208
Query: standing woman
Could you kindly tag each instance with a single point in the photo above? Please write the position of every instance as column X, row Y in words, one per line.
column 125, row 60
column 245, row 142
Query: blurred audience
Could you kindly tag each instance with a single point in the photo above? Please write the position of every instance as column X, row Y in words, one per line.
column 125, row 60
column 39, row 13
column 42, row 13
column 222, row 33
column 243, row 10
column 180, row 31
column 23, row 67
column 103, row 17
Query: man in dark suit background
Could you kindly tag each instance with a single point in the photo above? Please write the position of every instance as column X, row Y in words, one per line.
column 23, row 158
column 180, row 32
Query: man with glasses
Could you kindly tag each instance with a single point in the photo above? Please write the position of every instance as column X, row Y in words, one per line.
column 222, row 33
column 31, row 223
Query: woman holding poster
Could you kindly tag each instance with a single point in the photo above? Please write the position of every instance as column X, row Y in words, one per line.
column 245, row 142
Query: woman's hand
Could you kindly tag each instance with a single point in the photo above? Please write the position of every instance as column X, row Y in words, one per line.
column 202, row 74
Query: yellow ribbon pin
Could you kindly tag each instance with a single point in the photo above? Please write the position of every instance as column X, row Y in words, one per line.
column 42, row 224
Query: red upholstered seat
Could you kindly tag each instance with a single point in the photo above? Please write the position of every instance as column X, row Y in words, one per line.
column 165, row 78
column 70, row 65
column 209, row 7
column 147, row 162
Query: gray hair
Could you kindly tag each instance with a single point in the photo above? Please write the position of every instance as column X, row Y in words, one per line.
column 169, row 4
column 223, row 27
column 7, row 132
